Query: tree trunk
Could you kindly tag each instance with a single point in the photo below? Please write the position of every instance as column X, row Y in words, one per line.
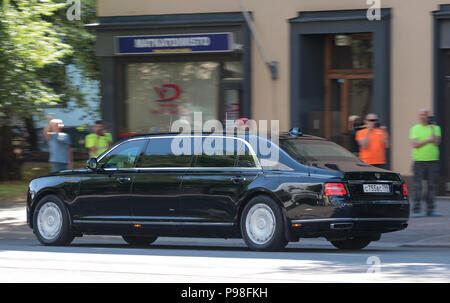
column 32, row 136
column 10, row 165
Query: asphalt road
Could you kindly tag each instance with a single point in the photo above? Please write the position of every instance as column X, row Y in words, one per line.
column 395, row 258
column 109, row 259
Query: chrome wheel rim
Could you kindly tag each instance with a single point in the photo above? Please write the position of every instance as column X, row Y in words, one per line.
column 49, row 221
column 260, row 223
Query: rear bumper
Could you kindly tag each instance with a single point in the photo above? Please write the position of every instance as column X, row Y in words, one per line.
column 372, row 217
column 362, row 218
column 337, row 225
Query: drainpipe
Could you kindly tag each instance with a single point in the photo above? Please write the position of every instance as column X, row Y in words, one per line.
column 271, row 65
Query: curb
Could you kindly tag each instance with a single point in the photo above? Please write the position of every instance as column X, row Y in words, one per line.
column 433, row 242
column 428, row 245
column 445, row 198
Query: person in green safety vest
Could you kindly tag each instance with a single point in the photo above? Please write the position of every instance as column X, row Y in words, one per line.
column 99, row 141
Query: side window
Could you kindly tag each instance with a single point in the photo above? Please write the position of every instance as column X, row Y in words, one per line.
column 245, row 158
column 217, row 152
column 123, row 156
column 159, row 153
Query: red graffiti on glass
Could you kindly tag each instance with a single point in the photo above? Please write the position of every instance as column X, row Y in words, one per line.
column 168, row 92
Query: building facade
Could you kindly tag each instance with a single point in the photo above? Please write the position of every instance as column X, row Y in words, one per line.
column 164, row 60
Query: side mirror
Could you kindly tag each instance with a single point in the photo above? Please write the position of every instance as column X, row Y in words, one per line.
column 92, row 164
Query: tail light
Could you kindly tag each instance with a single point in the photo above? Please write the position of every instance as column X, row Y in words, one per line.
column 335, row 189
column 405, row 190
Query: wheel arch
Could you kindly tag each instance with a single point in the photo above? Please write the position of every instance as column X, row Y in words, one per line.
column 38, row 198
column 270, row 194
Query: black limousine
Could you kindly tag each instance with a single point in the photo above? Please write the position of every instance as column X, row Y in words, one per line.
column 144, row 187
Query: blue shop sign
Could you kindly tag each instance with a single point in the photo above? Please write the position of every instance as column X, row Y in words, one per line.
column 163, row 44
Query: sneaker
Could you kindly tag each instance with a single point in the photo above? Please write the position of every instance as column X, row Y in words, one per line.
column 416, row 215
column 434, row 214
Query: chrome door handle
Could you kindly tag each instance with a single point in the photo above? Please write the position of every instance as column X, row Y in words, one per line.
column 123, row 180
column 237, row 179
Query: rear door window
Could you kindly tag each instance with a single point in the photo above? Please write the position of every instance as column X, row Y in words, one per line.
column 160, row 153
column 217, row 152
column 225, row 152
column 245, row 157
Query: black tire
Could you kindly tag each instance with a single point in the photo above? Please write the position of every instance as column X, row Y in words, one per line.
column 351, row 244
column 139, row 240
column 51, row 222
column 255, row 234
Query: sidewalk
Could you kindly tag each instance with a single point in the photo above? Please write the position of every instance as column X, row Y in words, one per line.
column 421, row 232
column 13, row 220
column 431, row 231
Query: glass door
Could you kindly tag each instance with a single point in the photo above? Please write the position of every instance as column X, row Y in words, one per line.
column 348, row 84
column 231, row 101
column 445, row 148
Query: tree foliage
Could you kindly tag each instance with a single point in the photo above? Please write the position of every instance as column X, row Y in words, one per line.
column 82, row 43
column 28, row 43
column 37, row 41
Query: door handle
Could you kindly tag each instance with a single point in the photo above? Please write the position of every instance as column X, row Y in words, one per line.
column 123, row 180
column 237, row 179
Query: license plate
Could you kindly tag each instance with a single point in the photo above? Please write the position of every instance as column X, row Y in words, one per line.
column 376, row 188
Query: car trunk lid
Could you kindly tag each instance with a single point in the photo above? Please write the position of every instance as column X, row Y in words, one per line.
column 374, row 185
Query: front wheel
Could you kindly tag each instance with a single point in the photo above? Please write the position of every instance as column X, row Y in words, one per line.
column 51, row 222
column 262, row 225
column 351, row 244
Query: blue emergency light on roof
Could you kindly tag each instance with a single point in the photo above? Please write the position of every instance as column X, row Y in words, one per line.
column 295, row 132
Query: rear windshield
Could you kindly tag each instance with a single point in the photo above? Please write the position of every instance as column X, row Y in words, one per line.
column 306, row 151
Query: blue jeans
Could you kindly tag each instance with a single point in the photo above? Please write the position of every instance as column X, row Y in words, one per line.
column 429, row 171
column 57, row 166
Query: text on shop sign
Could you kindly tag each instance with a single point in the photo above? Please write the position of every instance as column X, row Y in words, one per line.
column 192, row 43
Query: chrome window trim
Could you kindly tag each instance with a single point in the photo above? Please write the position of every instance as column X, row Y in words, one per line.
column 136, row 169
column 250, row 148
column 117, row 145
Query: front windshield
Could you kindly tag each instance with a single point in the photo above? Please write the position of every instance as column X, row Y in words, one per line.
column 306, row 151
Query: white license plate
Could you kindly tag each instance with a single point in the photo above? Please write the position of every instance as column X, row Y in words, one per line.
column 376, row 188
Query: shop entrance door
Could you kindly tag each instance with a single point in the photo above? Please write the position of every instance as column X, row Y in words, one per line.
column 231, row 93
column 348, row 84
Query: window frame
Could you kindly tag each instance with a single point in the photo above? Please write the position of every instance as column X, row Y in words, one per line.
column 250, row 149
column 192, row 167
column 144, row 146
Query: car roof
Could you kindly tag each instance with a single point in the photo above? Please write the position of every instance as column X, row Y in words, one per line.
column 281, row 136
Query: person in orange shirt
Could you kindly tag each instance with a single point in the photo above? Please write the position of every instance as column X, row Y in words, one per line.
column 373, row 141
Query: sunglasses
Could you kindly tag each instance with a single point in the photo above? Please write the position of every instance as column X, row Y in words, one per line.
column 373, row 120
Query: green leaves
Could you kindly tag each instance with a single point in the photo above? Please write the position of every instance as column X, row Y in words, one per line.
column 27, row 44
column 36, row 35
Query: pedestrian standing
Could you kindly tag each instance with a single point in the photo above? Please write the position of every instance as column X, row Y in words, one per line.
column 59, row 143
column 373, row 142
column 354, row 125
column 99, row 141
column 425, row 138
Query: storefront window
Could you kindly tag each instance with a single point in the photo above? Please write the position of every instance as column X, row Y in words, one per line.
column 352, row 51
column 232, row 71
column 159, row 93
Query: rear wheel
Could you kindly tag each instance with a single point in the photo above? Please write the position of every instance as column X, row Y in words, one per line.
column 351, row 244
column 51, row 222
column 262, row 225
column 139, row 240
